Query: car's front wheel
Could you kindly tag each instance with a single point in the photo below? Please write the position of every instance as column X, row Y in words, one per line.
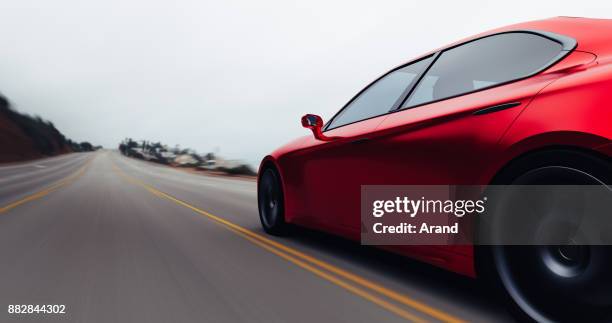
column 271, row 201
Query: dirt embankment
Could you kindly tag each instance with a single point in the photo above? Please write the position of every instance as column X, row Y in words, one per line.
column 23, row 137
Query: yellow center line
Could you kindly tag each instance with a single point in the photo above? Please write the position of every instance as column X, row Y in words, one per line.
column 293, row 254
column 355, row 290
column 45, row 191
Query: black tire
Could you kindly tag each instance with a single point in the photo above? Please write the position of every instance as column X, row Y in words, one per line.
column 271, row 202
column 527, row 278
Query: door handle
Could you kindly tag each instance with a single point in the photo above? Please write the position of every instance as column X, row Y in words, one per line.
column 496, row 108
column 360, row 141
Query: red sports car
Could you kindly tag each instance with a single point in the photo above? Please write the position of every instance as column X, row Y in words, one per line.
column 529, row 103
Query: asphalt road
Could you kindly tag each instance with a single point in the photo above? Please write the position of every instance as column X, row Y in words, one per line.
column 121, row 240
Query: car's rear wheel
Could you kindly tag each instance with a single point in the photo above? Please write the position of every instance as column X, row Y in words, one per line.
column 571, row 283
column 271, row 201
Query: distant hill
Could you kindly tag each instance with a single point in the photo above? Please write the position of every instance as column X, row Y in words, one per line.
column 24, row 137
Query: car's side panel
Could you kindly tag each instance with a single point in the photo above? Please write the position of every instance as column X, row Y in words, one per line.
column 444, row 143
column 576, row 110
column 320, row 172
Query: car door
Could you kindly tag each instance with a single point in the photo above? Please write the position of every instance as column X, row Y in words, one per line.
column 447, row 130
column 333, row 171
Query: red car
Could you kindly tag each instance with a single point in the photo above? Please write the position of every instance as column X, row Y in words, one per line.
column 529, row 103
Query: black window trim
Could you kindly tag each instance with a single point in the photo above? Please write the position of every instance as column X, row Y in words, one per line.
column 397, row 103
column 410, row 88
column 568, row 45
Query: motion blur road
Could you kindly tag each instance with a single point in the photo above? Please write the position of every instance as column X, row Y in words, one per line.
column 122, row 240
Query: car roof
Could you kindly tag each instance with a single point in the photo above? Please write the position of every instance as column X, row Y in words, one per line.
column 592, row 35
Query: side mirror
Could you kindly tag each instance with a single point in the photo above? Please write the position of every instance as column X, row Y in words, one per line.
column 311, row 121
column 315, row 123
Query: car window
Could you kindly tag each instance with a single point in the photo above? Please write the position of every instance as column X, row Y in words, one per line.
column 483, row 63
column 380, row 96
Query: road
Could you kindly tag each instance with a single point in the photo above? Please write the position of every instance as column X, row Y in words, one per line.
column 121, row 240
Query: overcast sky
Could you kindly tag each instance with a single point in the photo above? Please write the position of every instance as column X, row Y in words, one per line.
column 233, row 75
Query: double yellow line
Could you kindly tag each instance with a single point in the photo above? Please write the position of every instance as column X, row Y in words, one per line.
column 355, row 284
column 54, row 187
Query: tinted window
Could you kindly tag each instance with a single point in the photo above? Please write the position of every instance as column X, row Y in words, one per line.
column 482, row 63
column 381, row 96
